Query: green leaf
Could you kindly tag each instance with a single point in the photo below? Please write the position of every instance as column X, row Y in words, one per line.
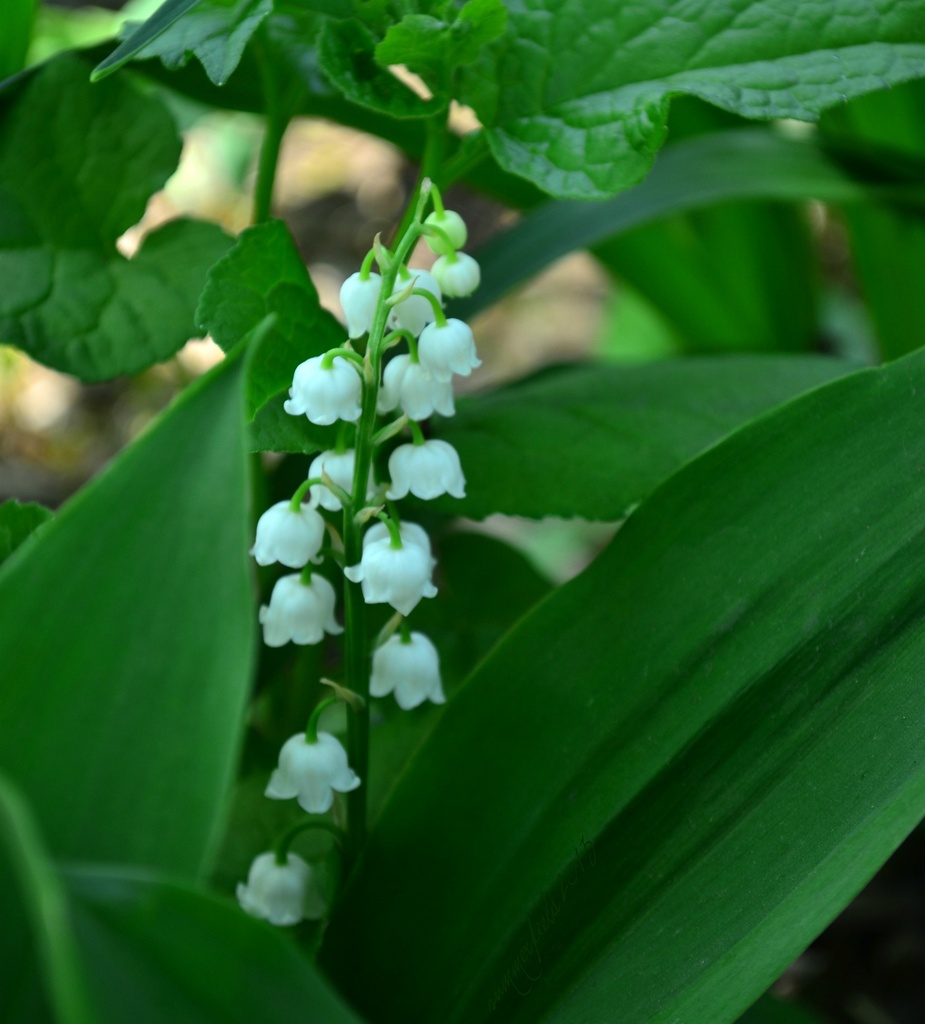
column 169, row 12
column 680, row 766
column 70, row 299
column 18, row 16
column 156, row 950
column 345, row 53
column 769, row 1010
column 127, row 634
column 214, row 31
column 888, row 245
column 17, row 522
column 692, row 174
column 434, row 49
column 38, row 942
column 274, row 430
column 591, row 439
column 575, row 96
column 263, row 273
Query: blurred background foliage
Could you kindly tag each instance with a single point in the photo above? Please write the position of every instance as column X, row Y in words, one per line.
column 744, row 276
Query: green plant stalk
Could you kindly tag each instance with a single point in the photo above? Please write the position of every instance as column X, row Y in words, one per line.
column 278, row 115
column 357, row 652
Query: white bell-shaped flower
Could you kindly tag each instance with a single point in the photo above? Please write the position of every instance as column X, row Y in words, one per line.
column 426, row 470
column 409, row 668
column 449, row 349
column 411, row 533
column 396, row 576
column 283, row 894
column 414, row 313
column 325, row 394
column 409, row 385
column 339, row 467
column 358, row 297
column 452, row 225
column 311, row 772
column 300, row 612
column 457, row 274
column 291, row 538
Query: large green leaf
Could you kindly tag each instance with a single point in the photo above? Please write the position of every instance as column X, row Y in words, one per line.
column 591, row 440
column 40, row 957
column 694, row 173
column 679, row 767
column 575, row 95
column 263, row 273
column 67, row 192
column 169, row 12
column 156, row 950
column 126, row 638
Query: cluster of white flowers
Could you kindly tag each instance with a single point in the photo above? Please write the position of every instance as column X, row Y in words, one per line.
column 396, row 564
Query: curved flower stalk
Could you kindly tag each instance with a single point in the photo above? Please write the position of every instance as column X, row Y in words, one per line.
column 383, row 560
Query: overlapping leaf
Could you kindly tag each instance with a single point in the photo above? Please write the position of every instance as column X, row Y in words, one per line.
column 126, row 638
column 575, row 95
column 591, row 440
column 67, row 192
column 17, row 522
column 687, row 760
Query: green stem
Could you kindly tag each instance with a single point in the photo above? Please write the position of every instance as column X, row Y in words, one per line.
column 287, row 839
column 277, row 121
column 311, row 730
column 295, row 503
column 431, row 165
column 327, row 360
column 357, row 652
column 439, row 315
column 416, row 433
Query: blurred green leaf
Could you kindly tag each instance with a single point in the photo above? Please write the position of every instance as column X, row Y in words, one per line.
column 274, row 430
column 345, row 53
column 214, row 31
column 169, row 12
column 17, row 522
column 37, row 944
column 887, row 242
column 701, row 171
column 769, row 1010
column 686, row 761
column 261, row 274
column 575, row 97
column 18, row 16
column 593, row 439
column 433, row 48
column 156, row 950
column 70, row 299
column 126, row 632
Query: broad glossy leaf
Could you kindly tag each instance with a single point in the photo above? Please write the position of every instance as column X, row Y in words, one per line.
column 679, row 767
column 17, row 522
column 169, row 12
column 40, row 967
column 345, row 52
column 70, row 299
column 263, row 273
column 126, row 638
column 691, row 174
column 575, row 95
column 592, row 439
column 214, row 31
column 156, row 950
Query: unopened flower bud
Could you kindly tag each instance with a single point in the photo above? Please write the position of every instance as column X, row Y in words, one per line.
column 358, row 297
column 457, row 274
column 426, row 470
column 325, row 394
column 452, row 225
